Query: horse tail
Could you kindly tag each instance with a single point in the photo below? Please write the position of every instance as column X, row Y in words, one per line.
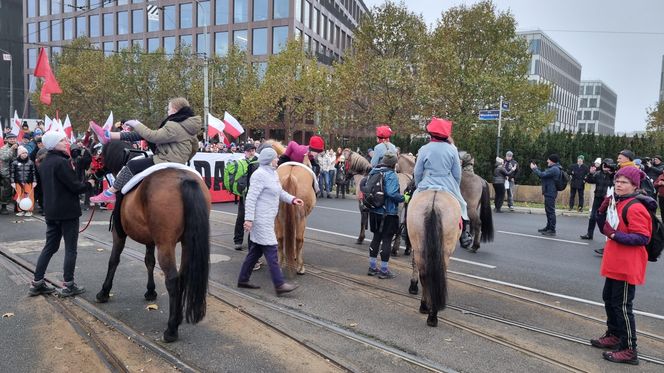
column 196, row 256
column 436, row 281
column 291, row 213
column 485, row 215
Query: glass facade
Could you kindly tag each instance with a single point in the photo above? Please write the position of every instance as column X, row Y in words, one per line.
column 186, row 41
column 69, row 28
column 43, row 7
column 221, row 12
column 154, row 25
column 221, row 43
column 108, row 24
column 280, row 9
column 56, row 6
column 169, row 18
column 169, row 44
column 240, row 11
column 202, row 45
column 260, row 10
column 94, row 26
column 56, row 31
column 43, row 31
column 203, row 14
column 153, row 44
column 279, row 38
column 240, row 39
column 137, row 21
column 123, row 23
column 81, row 26
column 259, row 41
column 186, row 15
column 108, row 48
column 123, row 44
column 298, row 10
column 597, row 108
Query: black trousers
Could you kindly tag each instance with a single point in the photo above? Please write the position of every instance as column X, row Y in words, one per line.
column 55, row 230
column 572, row 193
column 383, row 227
column 140, row 164
column 550, row 209
column 618, row 297
column 499, row 188
column 238, row 235
column 660, row 199
column 597, row 202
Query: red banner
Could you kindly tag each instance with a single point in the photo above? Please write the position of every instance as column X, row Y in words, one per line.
column 211, row 167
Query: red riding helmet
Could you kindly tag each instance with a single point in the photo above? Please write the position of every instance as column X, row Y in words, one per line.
column 316, row 144
column 383, row 132
column 440, row 127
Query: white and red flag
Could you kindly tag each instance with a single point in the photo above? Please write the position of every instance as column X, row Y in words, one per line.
column 216, row 128
column 109, row 122
column 16, row 127
column 233, row 127
column 69, row 131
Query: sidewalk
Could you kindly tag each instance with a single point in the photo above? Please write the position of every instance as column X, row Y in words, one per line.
column 540, row 211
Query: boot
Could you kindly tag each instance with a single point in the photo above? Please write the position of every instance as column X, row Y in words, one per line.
column 3, row 210
column 466, row 238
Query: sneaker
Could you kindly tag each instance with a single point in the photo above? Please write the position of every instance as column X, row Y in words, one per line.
column 549, row 232
column 285, row 288
column 103, row 197
column 543, row 229
column 20, row 213
column 386, row 275
column 71, row 290
column 580, row 209
column 238, row 246
column 599, row 251
column 608, row 341
column 511, row 208
column 625, row 356
column 586, row 237
column 3, row 210
column 258, row 265
column 99, row 131
column 28, row 214
column 373, row 271
column 39, row 288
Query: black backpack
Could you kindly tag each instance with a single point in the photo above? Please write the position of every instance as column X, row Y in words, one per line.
column 563, row 180
column 656, row 243
column 373, row 188
column 648, row 188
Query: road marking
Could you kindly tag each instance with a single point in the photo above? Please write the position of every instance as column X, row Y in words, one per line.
column 544, row 238
column 335, row 209
column 557, row 295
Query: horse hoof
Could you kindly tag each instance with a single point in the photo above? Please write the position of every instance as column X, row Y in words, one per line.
column 432, row 321
column 102, row 297
column 359, row 241
column 150, row 295
column 299, row 273
column 169, row 338
column 406, row 252
column 413, row 289
column 395, row 253
column 424, row 309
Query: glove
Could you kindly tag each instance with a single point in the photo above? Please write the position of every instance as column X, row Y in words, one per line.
column 605, row 205
column 132, row 123
column 406, row 198
column 608, row 229
column 107, row 134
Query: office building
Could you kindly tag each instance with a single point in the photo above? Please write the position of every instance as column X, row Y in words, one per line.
column 11, row 58
column 597, row 108
column 661, row 83
column 552, row 64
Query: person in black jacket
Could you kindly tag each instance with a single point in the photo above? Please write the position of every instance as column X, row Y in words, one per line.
column 603, row 179
column 578, row 174
column 62, row 210
column 549, row 191
column 23, row 180
column 250, row 155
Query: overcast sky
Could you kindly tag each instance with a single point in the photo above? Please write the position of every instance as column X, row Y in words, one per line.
column 628, row 58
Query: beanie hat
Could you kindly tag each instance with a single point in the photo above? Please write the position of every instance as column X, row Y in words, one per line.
column 628, row 153
column 52, row 138
column 659, row 157
column 266, row 156
column 581, row 157
column 21, row 149
column 554, row 158
column 389, row 159
column 316, row 144
column 633, row 174
column 509, row 153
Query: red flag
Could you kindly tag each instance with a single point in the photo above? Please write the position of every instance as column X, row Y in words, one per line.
column 43, row 70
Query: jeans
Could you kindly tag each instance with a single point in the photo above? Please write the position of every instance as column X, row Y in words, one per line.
column 550, row 209
column 330, row 180
column 499, row 189
column 55, row 230
column 510, row 194
column 572, row 192
column 324, row 183
column 618, row 297
column 255, row 252
column 597, row 202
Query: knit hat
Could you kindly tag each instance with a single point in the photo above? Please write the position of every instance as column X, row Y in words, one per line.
column 266, row 156
column 581, row 157
column 21, row 149
column 249, row 146
column 659, row 157
column 633, row 174
column 509, row 154
column 52, row 138
column 383, row 132
column 316, row 144
column 628, row 153
column 10, row 136
column 554, row 158
column 389, row 159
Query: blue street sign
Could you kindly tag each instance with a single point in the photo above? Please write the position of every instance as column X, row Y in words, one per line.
column 506, row 106
column 489, row 114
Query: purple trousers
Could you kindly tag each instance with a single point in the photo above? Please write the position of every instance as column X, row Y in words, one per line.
column 255, row 252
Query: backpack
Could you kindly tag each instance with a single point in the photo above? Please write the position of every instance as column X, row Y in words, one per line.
column 656, row 243
column 373, row 189
column 648, row 188
column 236, row 176
column 563, row 180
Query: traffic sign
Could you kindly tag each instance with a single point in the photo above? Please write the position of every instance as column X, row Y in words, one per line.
column 506, row 106
column 489, row 114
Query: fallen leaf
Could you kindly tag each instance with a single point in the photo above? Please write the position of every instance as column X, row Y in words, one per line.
column 8, row 315
column 152, row 307
column 58, row 348
column 100, row 249
column 353, row 324
column 448, row 339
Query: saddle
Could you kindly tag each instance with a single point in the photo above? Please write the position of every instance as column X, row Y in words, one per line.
column 313, row 175
column 134, row 181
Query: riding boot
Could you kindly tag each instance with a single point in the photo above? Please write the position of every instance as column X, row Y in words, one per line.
column 466, row 238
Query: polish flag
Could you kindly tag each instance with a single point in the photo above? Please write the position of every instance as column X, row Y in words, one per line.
column 109, row 122
column 16, row 128
column 56, row 125
column 69, row 131
column 233, row 127
column 48, row 123
column 216, row 128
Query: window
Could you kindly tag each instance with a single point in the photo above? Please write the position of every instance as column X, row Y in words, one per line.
column 587, row 114
column 589, row 90
column 123, row 44
column 186, row 41
column 169, row 19
column 122, row 2
column 81, row 4
column 596, row 115
column 584, row 102
column 186, row 16
column 43, row 31
column 123, row 23
column 169, row 44
column 579, row 114
column 137, row 42
column 221, row 43
column 324, row 27
column 202, row 45
column 261, row 69
column 307, row 40
column 43, row 7
column 56, row 6
column 67, row 5
column 221, row 12
column 81, row 26
column 298, row 34
column 32, row 58
column 592, row 102
column 32, row 8
column 137, row 21
column 32, row 32
column 298, row 10
column 69, row 28
column 259, row 41
column 240, row 39
column 597, row 89
column 55, row 50
column 281, row 9
column 154, row 25
column 314, row 20
column 153, row 44
column 240, row 11
column 108, row 24
column 306, row 17
column 591, row 127
column 279, row 38
column 582, row 127
column 108, row 48
column 136, row 1
column 203, row 14
column 260, row 10
column 56, row 30
column 94, row 26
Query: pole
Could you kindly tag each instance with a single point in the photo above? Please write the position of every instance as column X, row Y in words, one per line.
column 11, row 84
column 206, row 64
column 500, row 120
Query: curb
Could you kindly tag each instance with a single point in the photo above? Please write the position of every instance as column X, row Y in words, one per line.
column 540, row 211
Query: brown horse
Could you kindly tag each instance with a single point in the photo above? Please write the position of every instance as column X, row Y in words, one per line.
column 169, row 206
column 433, row 229
column 475, row 191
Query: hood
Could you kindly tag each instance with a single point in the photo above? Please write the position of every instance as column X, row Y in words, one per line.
column 192, row 125
column 650, row 203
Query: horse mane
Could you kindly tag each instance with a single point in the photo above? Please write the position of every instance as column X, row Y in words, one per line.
column 359, row 164
column 114, row 155
column 276, row 145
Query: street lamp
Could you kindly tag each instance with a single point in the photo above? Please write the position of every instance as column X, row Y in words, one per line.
column 6, row 56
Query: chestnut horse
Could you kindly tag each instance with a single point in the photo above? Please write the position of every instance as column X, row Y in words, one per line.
column 169, row 206
column 433, row 229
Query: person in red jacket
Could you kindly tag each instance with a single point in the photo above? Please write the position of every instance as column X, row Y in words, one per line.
column 624, row 264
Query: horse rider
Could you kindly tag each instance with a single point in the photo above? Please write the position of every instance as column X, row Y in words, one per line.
column 174, row 141
column 438, row 167
column 305, row 154
column 383, row 134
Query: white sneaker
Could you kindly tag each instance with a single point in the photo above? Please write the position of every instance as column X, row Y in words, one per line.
column 20, row 213
column 28, row 213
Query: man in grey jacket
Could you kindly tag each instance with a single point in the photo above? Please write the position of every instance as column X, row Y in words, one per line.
column 261, row 207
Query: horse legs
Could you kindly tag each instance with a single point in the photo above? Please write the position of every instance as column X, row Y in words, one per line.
column 425, row 304
column 364, row 223
column 413, row 277
column 150, row 294
column 113, row 262
column 166, row 257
